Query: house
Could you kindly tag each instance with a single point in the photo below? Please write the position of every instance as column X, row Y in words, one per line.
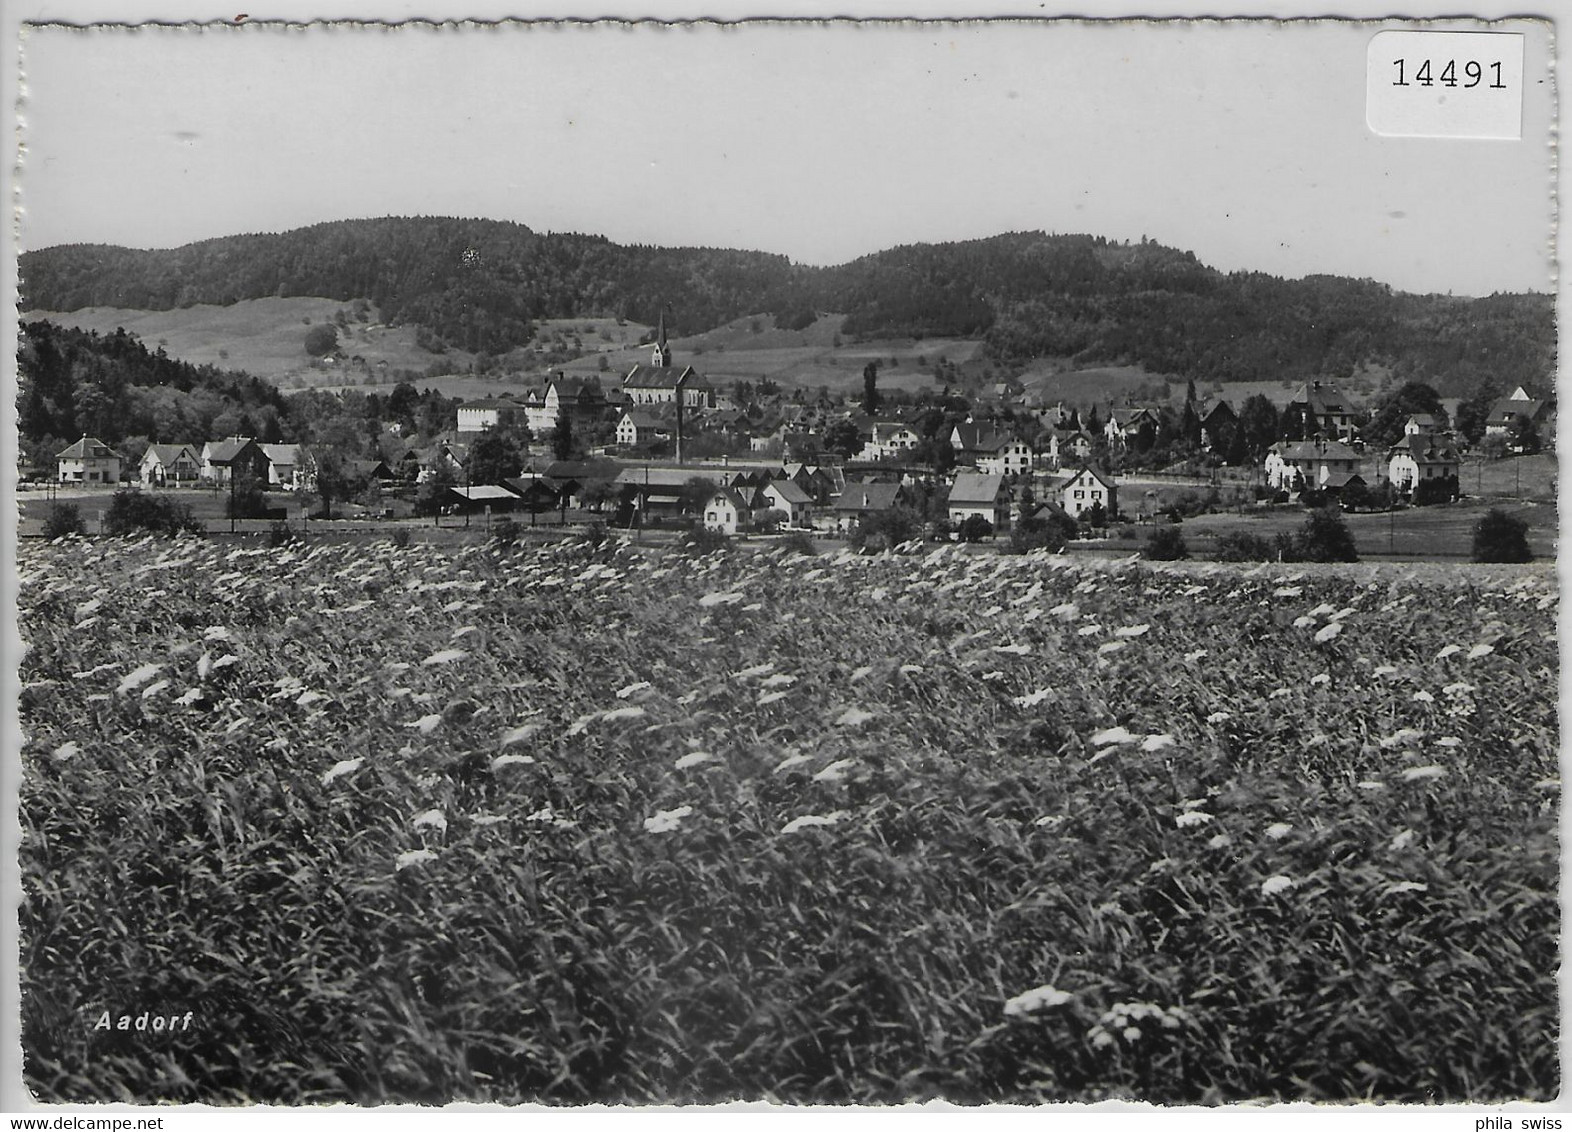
column 1219, row 422
column 1423, row 424
column 1510, row 413
column 445, row 456
column 537, row 494
column 726, row 511
column 1087, row 489
column 1068, row 445
column 1125, row 425
column 490, row 498
column 787, row 497
column 282, row 465
column 89, row 460
column 819, row 484
column 580, row 399
column 660, row 490
column 368, row 471
column 236, row 455
column 640, row 426
column 1294, row 465
column 1010, row 457
column 1318, row 409
column 490, row 412
column 888, row 439
column 860, row 499
column 169, row 464
column 1418, row 457
column 982, row 495
column 972, row 439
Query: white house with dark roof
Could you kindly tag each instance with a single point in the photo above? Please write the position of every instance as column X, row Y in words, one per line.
column 1419, row 457
column 640, row 426
column 1321, row 410
column 858, row 500
column 89, row 460
column 169, row 464
column 490, row 412
column 726, row 511
column 1089, row 488
column 982, row 495
column 787, row 497
column 1293, row 465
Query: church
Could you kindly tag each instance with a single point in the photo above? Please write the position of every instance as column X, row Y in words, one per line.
column 658, row 382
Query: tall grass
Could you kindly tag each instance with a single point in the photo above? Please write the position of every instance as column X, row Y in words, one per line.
column 574, row 823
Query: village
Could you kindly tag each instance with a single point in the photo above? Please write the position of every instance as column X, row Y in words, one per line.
column 681, row 452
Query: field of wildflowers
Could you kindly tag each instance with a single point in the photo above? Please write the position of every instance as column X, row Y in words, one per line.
column 568, row 824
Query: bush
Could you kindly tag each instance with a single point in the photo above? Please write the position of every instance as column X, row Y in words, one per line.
column 799, row 542
column 131, row 511
column 1325, row 537
column 1166, row 544
column 704, row 540
column 1242, row 546
column 400, row 538
column 885, row 529
column 974, row 528
column 1440, row 490
column 64, row 519
column 506, row 531
column 769, row 521
column 279, row 534
column 1499, row 537
column 1048, row 531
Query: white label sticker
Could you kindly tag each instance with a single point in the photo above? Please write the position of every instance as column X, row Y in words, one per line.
column 1445, row 84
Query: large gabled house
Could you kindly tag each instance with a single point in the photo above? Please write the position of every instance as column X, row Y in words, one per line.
column 981, row 495
column 491, row 412
column 1509, row 413
column 164, row 464
column 1317, row 409
column 1124, row 426
column 283, row 465
column 726, row 511
column 638, row 427
column 787, row 497
column 1419, row 457
column 1218, row 424
column 1297, row 465
column 223, row 460
column 89, row 460
column 1068, row 446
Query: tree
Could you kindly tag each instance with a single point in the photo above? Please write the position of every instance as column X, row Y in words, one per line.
column 131, row 511
column 843, row 439
column 562, row 438
column 246, row 499
column 321, row 340
column 433, row 494
column 494, row 457
column 1047, row 530
column 1242, row 546
column 64, row 519
column 870, row 390
column 1258, row 425
column 881, row 530
column 1474, row 412
column 1386, row 421
column 1500, row 537
column 1166, row 544
column 695, row 493
column 1523, row 434
column 1325, row 537
column 974, row 528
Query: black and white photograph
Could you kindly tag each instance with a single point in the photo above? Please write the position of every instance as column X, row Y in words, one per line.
column 805, row 562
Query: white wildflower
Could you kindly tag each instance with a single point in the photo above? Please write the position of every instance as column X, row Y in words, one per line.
column 1423, row 773
column 519, row 734
column 1327, row 632
column 1279, row 830
column 616, row 714
column 1423, row 697
column 445, row 656
column 66, row 751
column 1371, row 784
column 808, row 820
column 1271, row 886
column 1112, row 735
column 1480, row 650
column 1449, row 650
column 1038, row 998
column 414, row 857
column 694, row 758
column 1032, row 699
column 510, row 760
column 1321, row 678
column 1132, row 631
column 1157, row 742
column 137, row 677
column 1406, row 886
column 1192, row 817
column 665, row 821
column 1088, row 630
column 1192, row 657
column 1219, row 717
column 1403, row 840
column 782, row 680
column 853, row 717
column 790, row 761
column 1015, row 650
column 835, row 772
column 1303, row 622
column 434, row 819
column 1220, row 841
column 426, row 724
column 637, row 686
column 341, row 768
column 860, row 672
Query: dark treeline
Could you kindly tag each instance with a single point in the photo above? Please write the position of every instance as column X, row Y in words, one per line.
column 78, row 383
column 478, row 285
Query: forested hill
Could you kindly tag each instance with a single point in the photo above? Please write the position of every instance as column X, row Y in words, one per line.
column 478, row 284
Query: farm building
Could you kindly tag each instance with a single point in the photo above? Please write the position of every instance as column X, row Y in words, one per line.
column 169, row 464
column 89, row 460
column 660, row 490
column 1088, row 489
column 981, row 495
column 640, row 426
column 483, row 498
column 491, row 412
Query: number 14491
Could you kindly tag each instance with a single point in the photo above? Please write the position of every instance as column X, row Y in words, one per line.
column 1473, row 74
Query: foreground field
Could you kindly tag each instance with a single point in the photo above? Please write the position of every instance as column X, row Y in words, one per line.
column 567, row 824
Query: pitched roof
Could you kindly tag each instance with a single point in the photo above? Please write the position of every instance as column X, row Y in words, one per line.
column 975, row 488
column 643, row 418
column 1320, row 398
column 282, row 453
column 1215, row 407
column 789, row 491
column 1342, row 479
column 1097, row 474
column 1425, row 449
column 730, row 496
column 224, row 451
column 663, row 377
column 1507, row 407
column 1313, row 450
column 493, row 403
column 576, row 388
column 484, row 493
column 88, row 448
column 167, row 453
column 862, row 497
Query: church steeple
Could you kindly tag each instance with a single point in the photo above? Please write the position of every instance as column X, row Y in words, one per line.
column 662, row 354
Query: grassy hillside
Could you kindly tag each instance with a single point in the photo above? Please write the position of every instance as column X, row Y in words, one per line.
column 263, row 337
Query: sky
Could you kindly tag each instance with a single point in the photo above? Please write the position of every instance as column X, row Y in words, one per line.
column 1244, row 142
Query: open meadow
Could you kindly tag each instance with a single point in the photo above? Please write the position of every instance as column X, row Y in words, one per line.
column 582, row 822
